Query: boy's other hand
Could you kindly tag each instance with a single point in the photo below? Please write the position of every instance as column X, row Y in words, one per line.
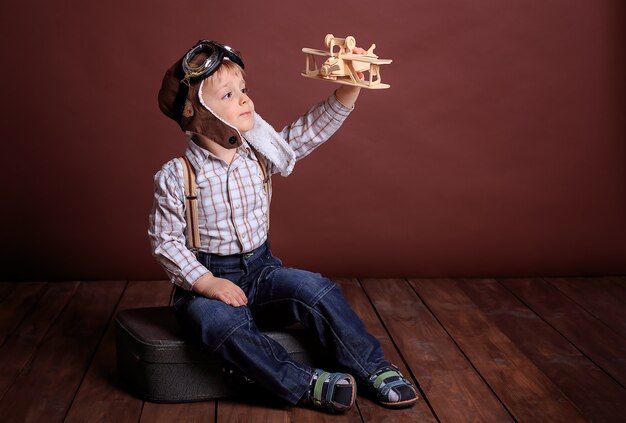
column 348, row 94
column 220, row 289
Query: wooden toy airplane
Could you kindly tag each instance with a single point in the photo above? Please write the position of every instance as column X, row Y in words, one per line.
column 342, row 66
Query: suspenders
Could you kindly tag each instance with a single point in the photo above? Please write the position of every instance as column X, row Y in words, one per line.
column 191, row 199
column 191, row 204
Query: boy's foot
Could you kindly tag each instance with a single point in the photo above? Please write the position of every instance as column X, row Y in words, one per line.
column 334, row 392
column 391, row 389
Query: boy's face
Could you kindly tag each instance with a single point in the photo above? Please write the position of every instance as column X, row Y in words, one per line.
column 225, row 94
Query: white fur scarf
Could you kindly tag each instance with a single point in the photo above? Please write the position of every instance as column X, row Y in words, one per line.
column 264, row 139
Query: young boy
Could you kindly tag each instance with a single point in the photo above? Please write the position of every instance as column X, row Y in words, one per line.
column 230, row 281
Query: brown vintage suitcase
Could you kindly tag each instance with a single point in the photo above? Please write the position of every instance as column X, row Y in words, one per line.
column 157, row 364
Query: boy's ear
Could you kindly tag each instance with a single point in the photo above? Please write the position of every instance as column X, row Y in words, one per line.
column 188, row 110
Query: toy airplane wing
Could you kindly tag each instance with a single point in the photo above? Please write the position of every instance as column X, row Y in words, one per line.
column 365, row 59
column 315, row 52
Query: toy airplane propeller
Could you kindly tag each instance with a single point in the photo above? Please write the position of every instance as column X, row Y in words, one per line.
column 342, row 66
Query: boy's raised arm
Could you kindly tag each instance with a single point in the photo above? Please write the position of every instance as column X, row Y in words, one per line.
column 347, row 95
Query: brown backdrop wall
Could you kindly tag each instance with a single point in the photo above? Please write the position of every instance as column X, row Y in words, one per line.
column 499, row 150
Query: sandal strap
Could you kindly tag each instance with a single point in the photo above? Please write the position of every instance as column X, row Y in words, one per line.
column 389, row 379
column 389, row 386
column 330, row 380
column 319, row 385
column 382, row 388
column 389, row 372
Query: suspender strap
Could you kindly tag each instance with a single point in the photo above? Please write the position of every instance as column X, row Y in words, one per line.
column 191, row 199
column 191, row 204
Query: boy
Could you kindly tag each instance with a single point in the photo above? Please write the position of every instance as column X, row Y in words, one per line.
column 230, row 281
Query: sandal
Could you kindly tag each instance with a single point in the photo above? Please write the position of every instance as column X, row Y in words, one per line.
column 391, row 389
column 334, row 392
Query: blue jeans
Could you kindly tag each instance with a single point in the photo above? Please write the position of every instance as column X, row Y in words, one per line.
column 277, row 296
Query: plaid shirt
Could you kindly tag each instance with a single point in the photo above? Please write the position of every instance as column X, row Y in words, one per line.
column 232, row 203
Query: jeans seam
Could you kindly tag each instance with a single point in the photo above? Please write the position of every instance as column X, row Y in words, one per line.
column 322, row 293
column 314, row 301
column 338, row 339
column 263, row 274
column 230, row 332
column 291, row 363
column 311, row 310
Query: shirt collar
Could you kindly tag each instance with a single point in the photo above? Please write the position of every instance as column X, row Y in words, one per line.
column 198, row 155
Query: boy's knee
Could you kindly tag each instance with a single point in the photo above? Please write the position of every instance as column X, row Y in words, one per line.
column 214, row 321
column 304, row 286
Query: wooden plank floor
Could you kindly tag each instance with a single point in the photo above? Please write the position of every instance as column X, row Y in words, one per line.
column 528, row 350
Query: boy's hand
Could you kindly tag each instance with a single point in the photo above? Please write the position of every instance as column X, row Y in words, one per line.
column 220, row 289
column 347, row 94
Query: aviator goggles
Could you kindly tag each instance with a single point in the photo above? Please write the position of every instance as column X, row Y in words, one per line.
column 216, row 53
